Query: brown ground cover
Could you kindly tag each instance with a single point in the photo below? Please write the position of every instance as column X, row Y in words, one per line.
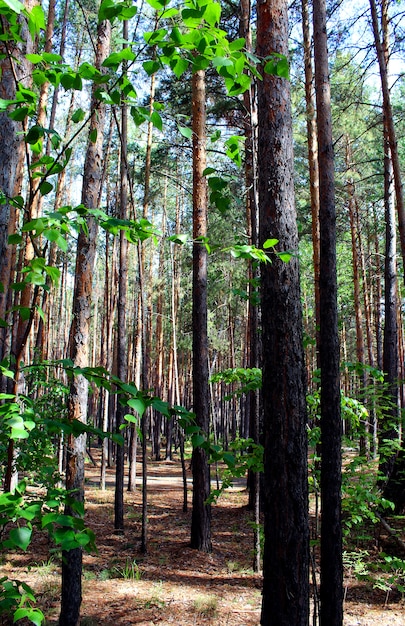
column 173, row 584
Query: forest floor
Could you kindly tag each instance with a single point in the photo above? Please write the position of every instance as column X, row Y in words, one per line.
column 173, row 584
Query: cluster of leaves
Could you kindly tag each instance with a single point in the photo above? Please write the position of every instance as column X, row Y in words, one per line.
column 386, row 573
column 248, row 379
column 243, row 455
column 21, row 512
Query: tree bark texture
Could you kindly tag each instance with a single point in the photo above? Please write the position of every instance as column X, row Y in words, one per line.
column 122, row 341
column 79, row 338
column 389, row 424
column 14, row 69
column 331, row 591
column 201, row 513
column 285, row 489
column 312, row 160
column 381, row 45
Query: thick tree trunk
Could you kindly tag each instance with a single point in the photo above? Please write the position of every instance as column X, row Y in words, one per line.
column 331, row 592
column 201, row 514
column 79, row 338
column 285, row 489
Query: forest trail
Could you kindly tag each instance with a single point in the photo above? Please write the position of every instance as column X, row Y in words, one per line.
column 173, row 584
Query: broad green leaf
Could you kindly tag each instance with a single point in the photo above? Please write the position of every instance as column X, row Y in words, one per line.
column 21, row 537
column 212, row 13
column 33, row 615
column 132, row 419
column 138, row 405
column 237, row 44
column 151, row 67
column 208, row 171
column 158, row 4
column 34, row 133
column 278, row 65
column 222, row 62
column 161, row 406
column 14, row 5
column 13, row 239
column 78, row 116
column 155, row 37
column 197, row 440
column 36, row 20
column 180, row 238
column 186, row 132
column 93, row 135
column 156, row 120
column 45, row 187
column 4, row 104
column 270, row 243
column 25, row 312
column 284, row 256
column 115, row 58
column 51, row 57
column 179, row 66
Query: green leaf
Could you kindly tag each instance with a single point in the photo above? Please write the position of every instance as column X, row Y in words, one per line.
column 161, row 406
column 115, row 58
column 186, row 132
column 212, row 13
column 34, row 133
column 138, row 405
column 33, row 615
column 132, row 419
column 36, row 20
column 197, row 440
column 93, row 135
column 45, row 187
column 270, row 243
column 78, row 116
column 180, row 238
column 237, row 44
column 278, row 65
column 179, row 66
column 284, row 256
column 158, row 4
column 13, row 239
column 156, row 120
column 151, row 67
column 21, row 537
column 14, row 5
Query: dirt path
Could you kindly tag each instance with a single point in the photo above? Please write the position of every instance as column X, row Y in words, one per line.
column 173, row 584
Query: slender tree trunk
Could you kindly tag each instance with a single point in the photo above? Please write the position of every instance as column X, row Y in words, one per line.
column 380, row 42
column 79, row 338
column 312, row 161
column 389, row 425
column 285, row 488
column 331, row 592
column 201, row 514
column 122, row 347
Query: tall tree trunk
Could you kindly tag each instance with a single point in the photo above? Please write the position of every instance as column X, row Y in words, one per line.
column 201, row 514
column 331, row 592
column 122, row 347
column 312, row 160
column 381, row 45
column 14, row 69
column 285, row 487
column 389, row 424
column 79, row 336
